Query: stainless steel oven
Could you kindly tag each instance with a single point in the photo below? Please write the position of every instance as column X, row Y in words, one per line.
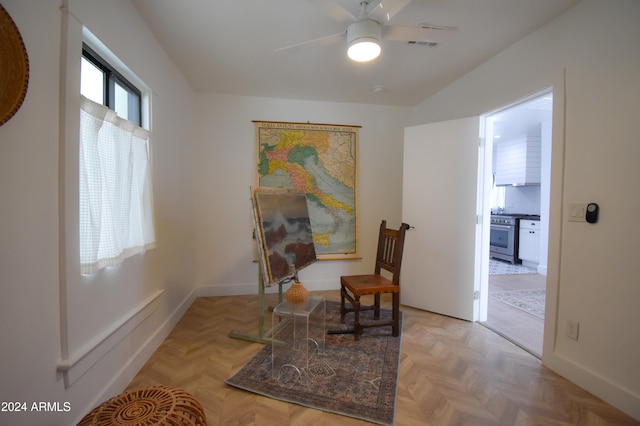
column 504, row 238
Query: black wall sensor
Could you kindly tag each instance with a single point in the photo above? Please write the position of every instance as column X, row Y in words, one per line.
column 591, row 215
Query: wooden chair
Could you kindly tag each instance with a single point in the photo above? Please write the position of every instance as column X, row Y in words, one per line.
column 352, row 287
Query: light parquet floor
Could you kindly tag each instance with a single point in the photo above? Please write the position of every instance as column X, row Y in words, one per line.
column 452, row 372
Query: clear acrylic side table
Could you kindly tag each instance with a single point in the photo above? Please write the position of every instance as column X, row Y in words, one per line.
column 298, row 335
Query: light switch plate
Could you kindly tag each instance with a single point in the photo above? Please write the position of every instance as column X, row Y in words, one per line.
column 572, row 329
column 577, row 212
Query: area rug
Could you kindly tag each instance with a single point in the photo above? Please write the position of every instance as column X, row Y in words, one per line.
column 351, row 378
column 497, row 267
column 530, row 301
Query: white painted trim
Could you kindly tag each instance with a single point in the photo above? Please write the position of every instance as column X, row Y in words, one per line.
column 624, row 399
column 79, row 363
column 130, row 368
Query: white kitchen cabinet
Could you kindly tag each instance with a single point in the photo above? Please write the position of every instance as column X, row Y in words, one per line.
column 519, row 161
column 529, row 246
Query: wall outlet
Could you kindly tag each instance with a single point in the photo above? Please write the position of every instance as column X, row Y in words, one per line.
column 572, row 328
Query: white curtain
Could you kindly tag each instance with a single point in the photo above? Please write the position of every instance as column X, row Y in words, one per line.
column 116, row 204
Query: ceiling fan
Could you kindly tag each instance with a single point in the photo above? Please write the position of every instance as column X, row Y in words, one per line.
column 365, row 31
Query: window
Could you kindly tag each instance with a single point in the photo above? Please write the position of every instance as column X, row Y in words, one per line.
column 116, row 206
column 103, row 84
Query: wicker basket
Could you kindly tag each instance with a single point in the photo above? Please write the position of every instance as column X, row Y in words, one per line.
column 297, row 293
column 159, row 405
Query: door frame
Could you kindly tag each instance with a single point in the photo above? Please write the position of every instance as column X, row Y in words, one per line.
column 485, row 183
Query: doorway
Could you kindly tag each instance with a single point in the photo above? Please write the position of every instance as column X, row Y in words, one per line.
column 519, row 136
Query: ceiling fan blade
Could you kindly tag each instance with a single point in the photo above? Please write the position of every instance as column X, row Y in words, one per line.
column 417, row 34
column 322, row 41
column 335, row 10
column 385, row 10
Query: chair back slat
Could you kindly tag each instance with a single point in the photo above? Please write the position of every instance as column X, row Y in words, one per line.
column 390, row 247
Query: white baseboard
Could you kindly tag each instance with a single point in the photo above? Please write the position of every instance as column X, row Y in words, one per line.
column 90, row 354
column 623, row 399
column 136, row 360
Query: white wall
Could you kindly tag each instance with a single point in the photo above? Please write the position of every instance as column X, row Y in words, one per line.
column 225, row 165
column 591, row 268
column 47, row 308
column 591, row 278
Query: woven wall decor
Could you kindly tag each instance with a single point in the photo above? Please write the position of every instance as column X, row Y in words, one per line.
column 14, row 68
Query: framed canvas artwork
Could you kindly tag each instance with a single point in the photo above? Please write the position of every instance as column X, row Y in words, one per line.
column 283, row 232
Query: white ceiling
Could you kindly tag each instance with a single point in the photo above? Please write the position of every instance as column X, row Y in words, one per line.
column 228, row 46
column 523, row 118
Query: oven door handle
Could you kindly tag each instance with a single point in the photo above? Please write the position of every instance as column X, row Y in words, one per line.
column 503, row 226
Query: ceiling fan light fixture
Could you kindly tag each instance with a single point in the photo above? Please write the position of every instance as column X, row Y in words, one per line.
column 363, row 40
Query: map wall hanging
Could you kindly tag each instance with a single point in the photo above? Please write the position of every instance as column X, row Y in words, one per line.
column 321, row 160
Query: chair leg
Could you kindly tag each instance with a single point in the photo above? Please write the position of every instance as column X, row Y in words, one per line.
column 376, row 306
column 396, row 314
column 357, row 327
column 343, row 309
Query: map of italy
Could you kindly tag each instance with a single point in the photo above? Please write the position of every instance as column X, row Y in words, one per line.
column 320, row 160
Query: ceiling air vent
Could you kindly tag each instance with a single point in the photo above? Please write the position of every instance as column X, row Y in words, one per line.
column 431, row 27
column 423, row 43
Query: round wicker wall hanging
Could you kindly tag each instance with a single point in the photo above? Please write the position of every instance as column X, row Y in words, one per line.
column 14, row 68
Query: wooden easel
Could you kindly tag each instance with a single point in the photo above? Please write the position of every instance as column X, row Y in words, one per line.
column 264, row 273
column 263, row 336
